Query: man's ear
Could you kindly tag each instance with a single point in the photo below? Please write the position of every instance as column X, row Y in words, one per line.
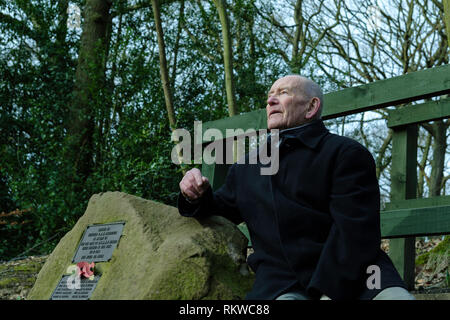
column 313, row 108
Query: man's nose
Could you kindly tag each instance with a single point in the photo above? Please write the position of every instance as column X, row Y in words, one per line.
column 272, row 100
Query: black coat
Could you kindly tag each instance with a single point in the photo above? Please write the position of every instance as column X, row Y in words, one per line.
column 315, row 225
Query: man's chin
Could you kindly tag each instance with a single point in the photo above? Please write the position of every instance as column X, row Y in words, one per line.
column 272, row 126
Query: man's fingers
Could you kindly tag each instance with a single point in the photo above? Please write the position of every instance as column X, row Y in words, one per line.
column 204, row 184
column 198, row 178
column 193, row 184
column 188, row 191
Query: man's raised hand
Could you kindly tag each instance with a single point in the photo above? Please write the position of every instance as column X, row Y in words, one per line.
column 193, row 185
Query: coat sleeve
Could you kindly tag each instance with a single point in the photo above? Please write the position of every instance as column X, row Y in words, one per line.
column 221, row 203
column 354, row 239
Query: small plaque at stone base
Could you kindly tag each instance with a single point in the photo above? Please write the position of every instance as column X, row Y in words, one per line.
column 98, row 242
column 69, row 289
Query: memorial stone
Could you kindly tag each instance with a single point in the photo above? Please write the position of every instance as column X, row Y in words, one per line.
column 148, row 252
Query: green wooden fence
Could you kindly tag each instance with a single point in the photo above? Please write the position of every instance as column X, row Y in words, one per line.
column 405, row 217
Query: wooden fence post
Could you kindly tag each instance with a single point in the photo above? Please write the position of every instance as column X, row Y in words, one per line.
column 403, row 186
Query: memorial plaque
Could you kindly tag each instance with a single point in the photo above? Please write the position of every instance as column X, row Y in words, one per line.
column 98, row 242
column 66, row 289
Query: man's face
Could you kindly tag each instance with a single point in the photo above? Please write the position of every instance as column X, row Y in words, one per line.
column 286, row 105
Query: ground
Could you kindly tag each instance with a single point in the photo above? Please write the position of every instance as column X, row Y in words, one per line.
column 432, row 270
column 17, row 277
column 432, row 264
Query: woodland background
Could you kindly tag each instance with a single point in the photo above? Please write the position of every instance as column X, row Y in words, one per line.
column 91, row 90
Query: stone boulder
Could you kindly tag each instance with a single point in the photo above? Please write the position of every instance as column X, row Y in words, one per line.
column 161, row 255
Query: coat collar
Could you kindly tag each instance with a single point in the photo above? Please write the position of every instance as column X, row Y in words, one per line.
column 309, row 134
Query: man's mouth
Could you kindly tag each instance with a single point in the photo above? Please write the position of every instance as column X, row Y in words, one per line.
column 274, row 112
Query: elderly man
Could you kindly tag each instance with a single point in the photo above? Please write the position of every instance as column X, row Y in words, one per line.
column 314, row 224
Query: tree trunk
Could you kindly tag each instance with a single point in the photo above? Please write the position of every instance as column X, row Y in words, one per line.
column 177, row 44
column 295, row 64
column 163, row 65
column 86, row 95
column 221, row 6
column 61, row 31
column 422, row 164
column 447, row 18
column 164, row 70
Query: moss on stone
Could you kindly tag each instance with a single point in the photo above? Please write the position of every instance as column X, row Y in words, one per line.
column 31, row 268
column 228, row 285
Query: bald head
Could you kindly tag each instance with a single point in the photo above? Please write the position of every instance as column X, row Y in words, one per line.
column 293, row 100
